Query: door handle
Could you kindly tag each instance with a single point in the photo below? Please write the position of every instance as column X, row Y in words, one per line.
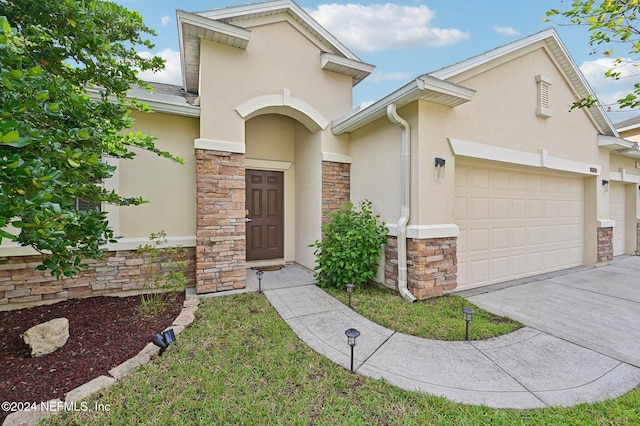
column 247, row 220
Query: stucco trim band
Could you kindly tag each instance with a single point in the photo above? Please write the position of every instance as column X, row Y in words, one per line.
column 540, row 159
column 623, row 176
column 336, row 158
column 446, row 230
column 252, row 163
column 252, row 107
column 214, row 145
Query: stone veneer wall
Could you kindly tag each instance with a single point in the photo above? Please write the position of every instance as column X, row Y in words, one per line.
column 336, row 187
column 119, row 272
column 431, row 266
column 220, row 221
column 605, row 245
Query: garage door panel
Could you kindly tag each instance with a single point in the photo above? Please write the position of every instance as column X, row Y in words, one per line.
column 478, row 240
column 522, row 223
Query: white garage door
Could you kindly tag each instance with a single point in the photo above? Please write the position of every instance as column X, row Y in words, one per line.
column 618, row 205
column 516, row 223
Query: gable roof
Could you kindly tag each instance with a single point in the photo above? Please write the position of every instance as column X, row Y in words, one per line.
column 629, row 124
column 563, row 60
column 217, row 26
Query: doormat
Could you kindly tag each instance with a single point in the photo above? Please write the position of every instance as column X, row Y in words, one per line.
column 267, row 268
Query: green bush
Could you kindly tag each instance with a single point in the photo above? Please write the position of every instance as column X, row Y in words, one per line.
column 164, row 273
column 351, row 245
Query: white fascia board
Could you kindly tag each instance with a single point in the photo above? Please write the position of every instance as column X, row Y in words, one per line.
column 356, row 69
column 403, row 96
column 475, row 61
column 596, row 113
column 272, row 6
column 158, row 102
column 541, row 159
column 627, row 128
column 200, row 21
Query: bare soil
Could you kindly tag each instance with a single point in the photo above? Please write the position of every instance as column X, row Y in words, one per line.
column 104, row 332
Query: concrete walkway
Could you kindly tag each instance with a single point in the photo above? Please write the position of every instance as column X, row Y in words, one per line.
column 567, row 354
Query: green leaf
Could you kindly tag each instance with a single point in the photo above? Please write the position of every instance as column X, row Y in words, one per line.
column 10, row 137
column 73, row 163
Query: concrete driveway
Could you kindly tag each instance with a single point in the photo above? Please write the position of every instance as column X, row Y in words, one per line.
column 595, row 308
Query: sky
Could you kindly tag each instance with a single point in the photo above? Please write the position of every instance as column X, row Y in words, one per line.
column 407, row 38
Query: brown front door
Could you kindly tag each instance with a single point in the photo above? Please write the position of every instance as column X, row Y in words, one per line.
column 265, row 214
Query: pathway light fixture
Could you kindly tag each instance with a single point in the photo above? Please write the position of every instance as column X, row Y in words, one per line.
column 468, row 316
column 352, row 334
column 259, row 274
column 350, row 287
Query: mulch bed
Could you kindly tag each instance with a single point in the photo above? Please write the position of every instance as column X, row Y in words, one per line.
column 104, row 332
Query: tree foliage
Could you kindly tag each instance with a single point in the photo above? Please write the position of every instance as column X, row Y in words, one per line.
column 56, row 139
column 350, row 249
column 609, row 22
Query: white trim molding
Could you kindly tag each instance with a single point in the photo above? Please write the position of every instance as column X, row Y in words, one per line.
column 420, row 232
column 214, row 145
column 285, row 104
column 623, row 176
column 606, row 223
column 251, row 163
column 540, row 159
column 336, row 158
column 134, row 243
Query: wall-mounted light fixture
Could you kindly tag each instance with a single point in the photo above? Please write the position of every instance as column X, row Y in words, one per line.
column 605, row 184
column 440, row 163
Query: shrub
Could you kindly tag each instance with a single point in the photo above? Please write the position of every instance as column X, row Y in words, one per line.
column 351, row 245
column 164, row 274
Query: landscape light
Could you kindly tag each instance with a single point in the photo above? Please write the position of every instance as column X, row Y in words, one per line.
column 350, row 287
column 162, row 340
column 468, row 316
column 259, row 274
column 352, row 334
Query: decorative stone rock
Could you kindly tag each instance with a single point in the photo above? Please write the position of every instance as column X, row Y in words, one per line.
column 47, row 337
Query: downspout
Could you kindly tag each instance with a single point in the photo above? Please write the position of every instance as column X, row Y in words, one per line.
column 405, row 201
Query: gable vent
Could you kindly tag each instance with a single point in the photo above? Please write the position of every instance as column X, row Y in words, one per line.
column 544, row 96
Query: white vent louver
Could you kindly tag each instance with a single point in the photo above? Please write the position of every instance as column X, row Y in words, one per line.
column 544, row 96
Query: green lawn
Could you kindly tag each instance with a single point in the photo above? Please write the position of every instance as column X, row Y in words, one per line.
column 239, row 363
column 439, row 318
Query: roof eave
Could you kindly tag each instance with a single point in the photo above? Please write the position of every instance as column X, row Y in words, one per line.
column 199, row 27
column 357, row 70
column 425, row 88
column 566, row 63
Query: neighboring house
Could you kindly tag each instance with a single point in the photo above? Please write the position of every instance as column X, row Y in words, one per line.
column 483, row 161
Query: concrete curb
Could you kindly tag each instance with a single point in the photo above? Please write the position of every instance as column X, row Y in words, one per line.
column 73, row 398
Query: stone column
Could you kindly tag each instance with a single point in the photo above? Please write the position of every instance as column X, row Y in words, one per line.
column 336, row 187
column 220, row 221
column 605, row 245
column 431, row 266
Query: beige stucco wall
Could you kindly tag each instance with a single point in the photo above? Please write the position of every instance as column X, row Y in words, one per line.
column 169, row 187
column 308, row 160
column 503, row 113
column 277, row 57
